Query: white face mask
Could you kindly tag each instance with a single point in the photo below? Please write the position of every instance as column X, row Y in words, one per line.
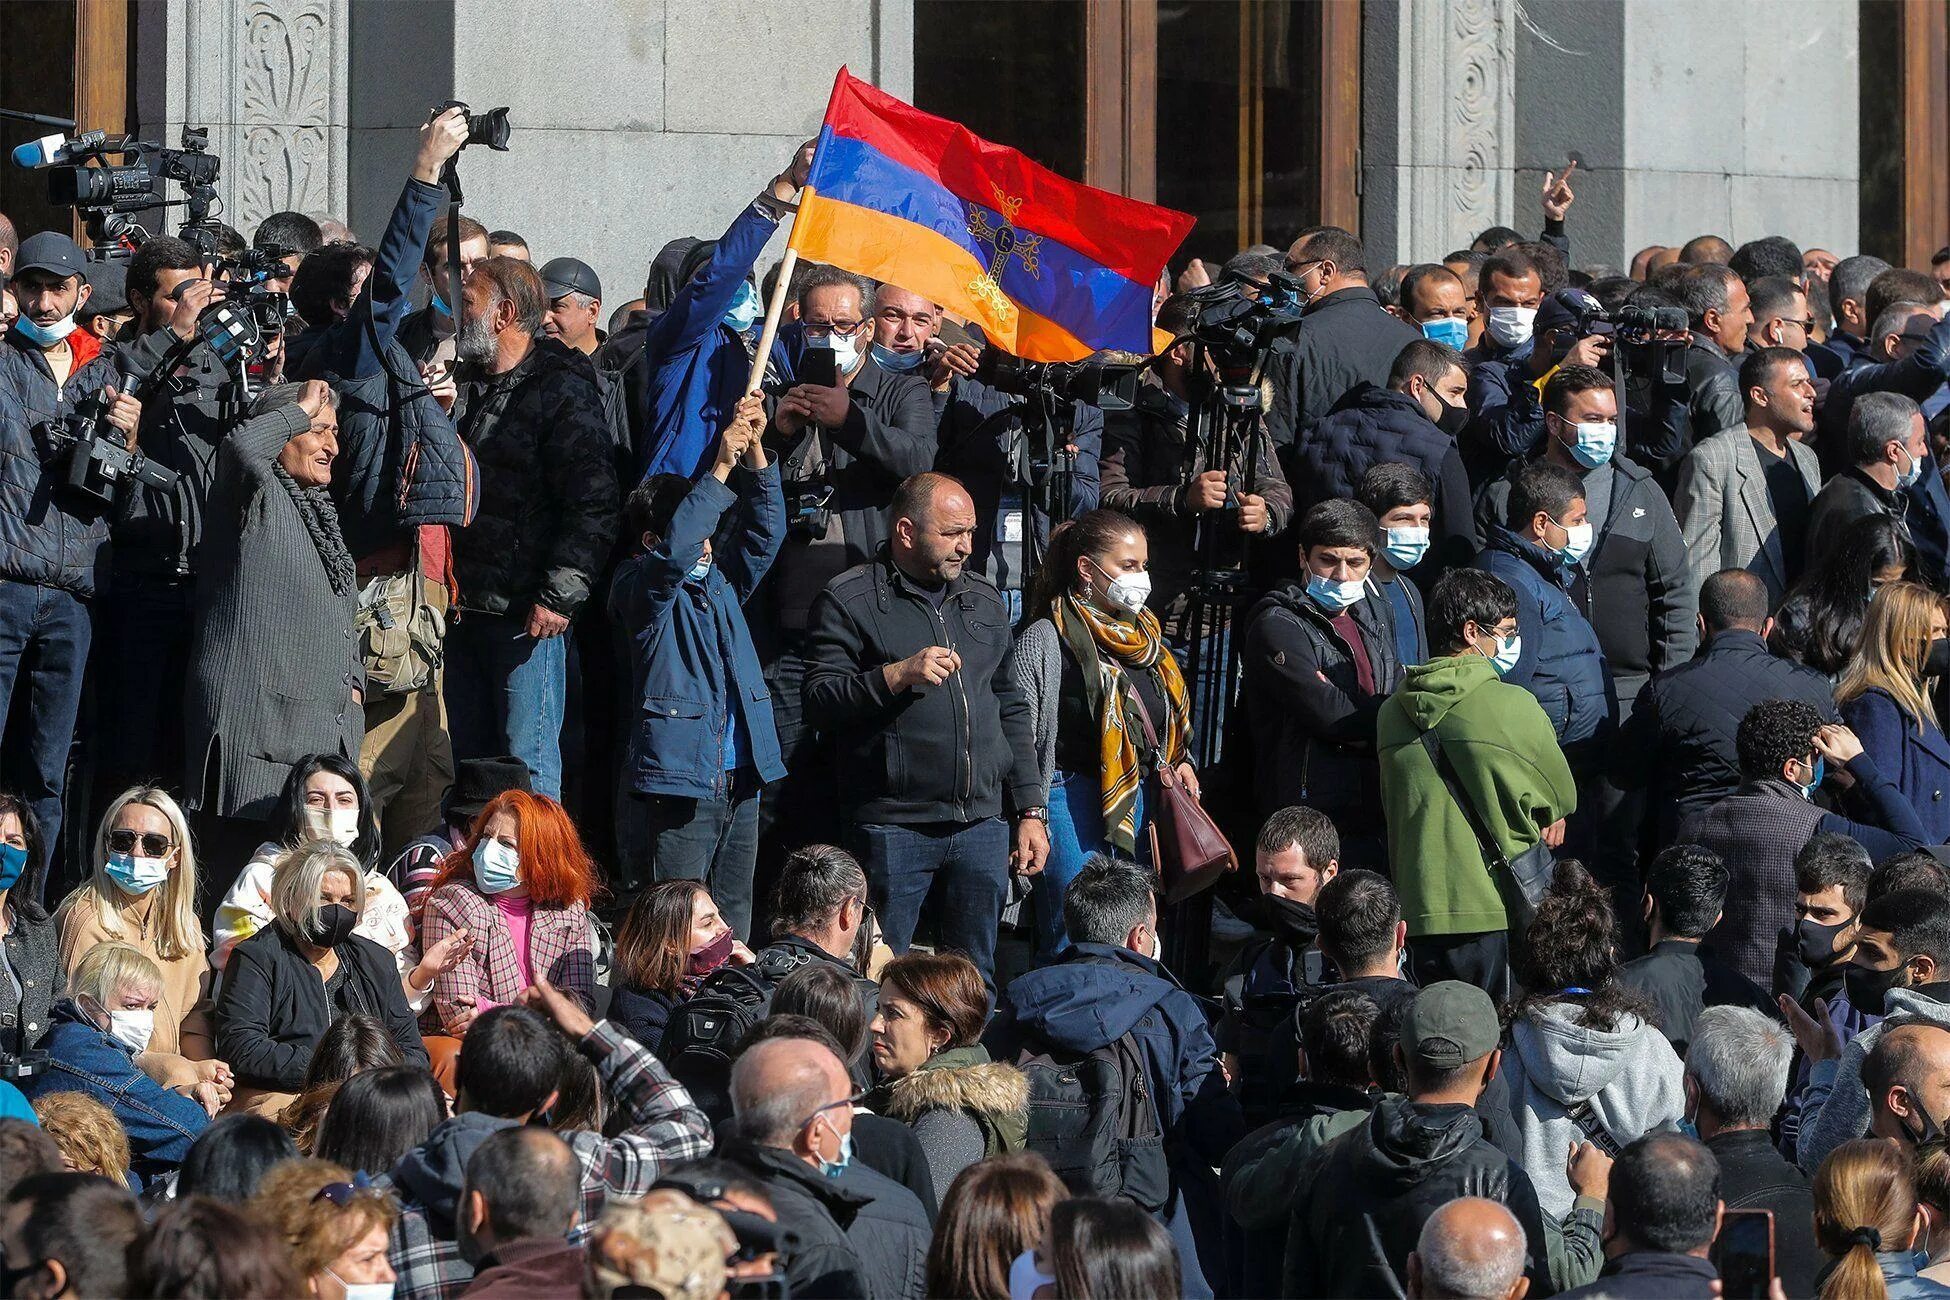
column 364, row 1290
column 132, row 1029
column 1577, row 543
column 1510, row 326
column 1127, row 591
column 340, row 825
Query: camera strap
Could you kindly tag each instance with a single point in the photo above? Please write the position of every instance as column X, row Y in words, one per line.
column 450, row 174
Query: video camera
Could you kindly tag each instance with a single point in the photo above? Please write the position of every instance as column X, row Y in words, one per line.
column 246, row 282
column 100, row 174
column 1108, row 386
column 1652, row 341
column 98, row 463
column 1239, row 328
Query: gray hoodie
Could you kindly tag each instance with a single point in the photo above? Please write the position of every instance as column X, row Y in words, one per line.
column 1835, row 1108
column 1630, row 1075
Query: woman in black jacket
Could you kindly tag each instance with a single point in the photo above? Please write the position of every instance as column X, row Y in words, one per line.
column 27, row 941
column 286, row 984
column 672, row 938
column 1819, row 623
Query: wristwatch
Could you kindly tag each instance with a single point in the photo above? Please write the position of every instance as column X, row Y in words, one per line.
column 1036, row 814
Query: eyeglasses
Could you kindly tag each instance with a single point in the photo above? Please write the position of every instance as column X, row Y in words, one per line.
column 1301, row 268
column 154, row 845
column 818, row 330
column 848, row 1102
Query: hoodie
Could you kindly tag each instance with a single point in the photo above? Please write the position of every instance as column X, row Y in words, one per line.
column 1630, row 1076
column 430, row 1174
column 1507, row 761
column 1835, row 1106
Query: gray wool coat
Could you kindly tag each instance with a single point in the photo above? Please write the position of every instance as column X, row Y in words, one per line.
column 274, row 658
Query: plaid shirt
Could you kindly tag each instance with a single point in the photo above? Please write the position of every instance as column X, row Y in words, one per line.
column 561, row 949
column 665, row 1130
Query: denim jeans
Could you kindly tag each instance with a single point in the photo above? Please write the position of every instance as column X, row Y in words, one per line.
column 1076, row 830
column 965, row 865
column 505, row 693
column 712, row 840
column 44, row 637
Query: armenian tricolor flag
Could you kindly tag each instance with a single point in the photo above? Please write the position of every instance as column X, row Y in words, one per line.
column 1052, row 270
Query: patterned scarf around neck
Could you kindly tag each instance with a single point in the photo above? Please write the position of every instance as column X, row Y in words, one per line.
column 322, row 522
column 1115, row 647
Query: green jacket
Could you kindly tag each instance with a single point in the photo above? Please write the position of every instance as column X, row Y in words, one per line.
column 1506, row 757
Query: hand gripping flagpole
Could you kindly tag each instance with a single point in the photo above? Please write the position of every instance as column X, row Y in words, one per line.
column 776, row 308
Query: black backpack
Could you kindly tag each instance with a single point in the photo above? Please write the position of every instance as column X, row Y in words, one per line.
column 1092, row 1117
column 704, row 1030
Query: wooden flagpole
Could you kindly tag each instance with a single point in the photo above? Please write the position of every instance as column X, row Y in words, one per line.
column 776, row 308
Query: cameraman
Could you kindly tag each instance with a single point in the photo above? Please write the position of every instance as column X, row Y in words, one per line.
column 392, row 415
column 49, row 370
column 1151, row 474
column 428, row 334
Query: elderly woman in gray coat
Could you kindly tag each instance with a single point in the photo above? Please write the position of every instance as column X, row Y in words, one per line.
column 275, row 667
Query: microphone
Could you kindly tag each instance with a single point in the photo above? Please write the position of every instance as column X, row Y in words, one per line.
column 55, row 150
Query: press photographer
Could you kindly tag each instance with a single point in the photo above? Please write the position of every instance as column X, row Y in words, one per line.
column 52, row 541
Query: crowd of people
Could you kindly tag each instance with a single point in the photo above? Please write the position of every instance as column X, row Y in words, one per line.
column 518, row 810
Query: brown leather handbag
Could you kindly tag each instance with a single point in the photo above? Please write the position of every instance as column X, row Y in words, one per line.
column 1189, row 850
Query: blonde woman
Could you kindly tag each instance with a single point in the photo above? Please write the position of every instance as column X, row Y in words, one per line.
column 142, row 892
column 1884, row 697
column 288, row 982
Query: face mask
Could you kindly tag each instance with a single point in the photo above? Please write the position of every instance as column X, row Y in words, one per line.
column 697, row 571
column 1820, row 772
column 834, row 1168
column 712, row 955
column 1937, row 662
column 1157, row 952
column 1405, row 547
column 13, row 865
column 47, row 336
column 1290, row 919
column 1025, row 1278
column 1453, row 417
column 1868, row 990
column 364, row 1290
column 1452, row 331
column 337, row 824
column 897, row 362
column 135, row 875
column 1508, row 651
column 1510, row 326
column 332, row 926
column 743, row 311
column 846, row 353
column 497, row 868
column 1577, row 542
column 1334, row 596
column 1595, row 442
column 132, row 1029
column 1814, row 943
column 1904, row 478
column 1127, row 591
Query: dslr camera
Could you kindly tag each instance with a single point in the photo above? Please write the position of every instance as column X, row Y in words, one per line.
column 489, row 127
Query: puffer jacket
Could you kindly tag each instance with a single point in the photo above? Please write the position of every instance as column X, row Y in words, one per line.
column 963, row 1106
column 1561, row 662
column 1313, row 730
column 1345, row 338
column 1373, row 426
column 41, row 540
column 1629, row 1076
column 548, row 485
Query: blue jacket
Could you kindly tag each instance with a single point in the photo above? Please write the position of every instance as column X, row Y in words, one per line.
column 81, row 1058
column 1371, row 426
column 1561, row 663
column 695, row 365
column 690, row 649
column 1918, row 764
column 1902, row 1275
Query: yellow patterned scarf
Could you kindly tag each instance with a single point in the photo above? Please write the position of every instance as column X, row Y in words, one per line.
column 1115, row 646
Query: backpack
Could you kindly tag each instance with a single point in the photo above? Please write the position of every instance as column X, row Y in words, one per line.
column 1091, row 1116
column 704, row 1031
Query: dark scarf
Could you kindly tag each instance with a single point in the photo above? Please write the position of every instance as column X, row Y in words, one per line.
column 322, row 522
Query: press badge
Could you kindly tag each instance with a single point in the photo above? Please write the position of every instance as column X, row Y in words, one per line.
column 1012, row 526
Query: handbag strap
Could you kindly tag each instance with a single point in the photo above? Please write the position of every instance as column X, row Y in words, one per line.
column 1150, row 732
column 1485, row 842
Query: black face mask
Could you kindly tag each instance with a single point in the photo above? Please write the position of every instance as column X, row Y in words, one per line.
column 1453, row 418
column 1868, row 990
column 1289, row 919
column 1937, row 662
column 1814, row 943
column 333, row 926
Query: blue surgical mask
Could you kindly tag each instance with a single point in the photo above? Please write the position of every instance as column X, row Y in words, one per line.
column 1595, row 442
column 13, row 865
column 1450, row 330
column 497, row 868
column 697, row 571
column 834, row 1168
column 1508, row 650
column 46, row 336
column 1820, row 775
column 1334, row 596
column 1405, row 547
column 440, row 305
column 134, row 875
column 1904, row 478
column 744, row 310
column 1577, row 541
column 896, row 362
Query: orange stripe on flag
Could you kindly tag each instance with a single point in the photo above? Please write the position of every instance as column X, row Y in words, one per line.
column 919, row 260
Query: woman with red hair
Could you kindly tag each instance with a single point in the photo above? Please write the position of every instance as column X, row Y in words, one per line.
column 521, row 886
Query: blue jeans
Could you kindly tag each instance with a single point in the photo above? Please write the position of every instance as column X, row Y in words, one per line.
column 1076, row 831
column 44, row 637
column 966, row 865
column 505, row 694
column 712, row 840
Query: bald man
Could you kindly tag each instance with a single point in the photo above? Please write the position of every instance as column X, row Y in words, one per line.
column 1908, row 1078
column 1470, row 1249
column 792, row 1124
column 907, row 665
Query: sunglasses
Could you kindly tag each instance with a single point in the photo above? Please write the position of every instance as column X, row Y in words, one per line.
column 343, row 1194
column 153, row 845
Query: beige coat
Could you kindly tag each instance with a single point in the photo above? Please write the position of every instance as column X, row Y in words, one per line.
column 182, row 1034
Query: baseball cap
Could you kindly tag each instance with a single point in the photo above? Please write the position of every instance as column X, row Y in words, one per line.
column 666, row 1244
column 51, row 251
column 109, row 280
column 1566, row 307
column 561, row 275
column 1449, row 1025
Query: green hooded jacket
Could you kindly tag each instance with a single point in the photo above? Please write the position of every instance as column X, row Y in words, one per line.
column 1506, row 757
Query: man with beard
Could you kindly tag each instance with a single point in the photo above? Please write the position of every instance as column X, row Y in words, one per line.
column 531, row 411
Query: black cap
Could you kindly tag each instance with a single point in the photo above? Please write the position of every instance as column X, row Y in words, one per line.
column 565, row 275
column 480, row 781
column 109, row 281
column 1567, row 308
column 51, row 251
column 1450, row 1024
